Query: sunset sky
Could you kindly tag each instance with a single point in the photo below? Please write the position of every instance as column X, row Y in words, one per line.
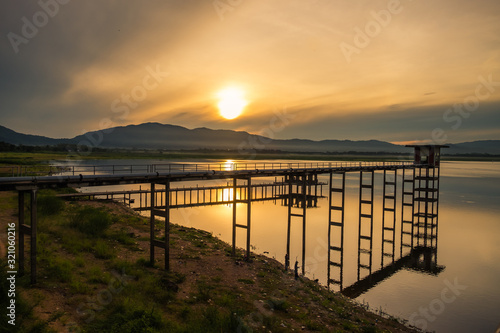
column 359, row 69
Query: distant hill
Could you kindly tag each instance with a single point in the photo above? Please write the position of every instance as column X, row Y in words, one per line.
column 171, row 137
column 477, row 147
column 155, row 135
column 12, row 137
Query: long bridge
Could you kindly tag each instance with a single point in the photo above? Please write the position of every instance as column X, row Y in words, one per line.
column 419, row 188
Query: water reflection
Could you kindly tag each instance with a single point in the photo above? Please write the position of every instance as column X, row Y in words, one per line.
column 420, row 259
column 396, row 218
column 468, row 242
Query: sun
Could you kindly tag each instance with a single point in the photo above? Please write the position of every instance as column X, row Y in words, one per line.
column 231, row 103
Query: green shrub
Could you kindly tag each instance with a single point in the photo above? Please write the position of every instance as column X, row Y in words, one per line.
column 246, row 281
column 128, row 317
column 102, row 250
column 79, row 261
column 91, row 221
column 278, row 304
column 123, row 237
column 213, row 319
column 49, row 205
column 60, row 269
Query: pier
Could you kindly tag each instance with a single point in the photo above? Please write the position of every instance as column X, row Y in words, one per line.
column 296, row 186
column 200, row 196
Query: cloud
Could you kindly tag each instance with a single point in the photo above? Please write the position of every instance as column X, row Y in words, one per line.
column 412, row 124
column 285, row 54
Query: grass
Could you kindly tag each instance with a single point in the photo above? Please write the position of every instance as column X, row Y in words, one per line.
column 246, row 281
column 91, row 221
column 48, row 203
column 92, row 268
column 25, row 321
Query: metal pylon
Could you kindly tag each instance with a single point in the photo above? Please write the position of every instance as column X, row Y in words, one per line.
column 426, row 199
column 407, row 209
column 248, row 202
column 297, row 192
column 365, row 234
column 336, row 230
column 389, row 215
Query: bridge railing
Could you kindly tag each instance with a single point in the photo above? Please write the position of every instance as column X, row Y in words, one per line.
column 104, row 169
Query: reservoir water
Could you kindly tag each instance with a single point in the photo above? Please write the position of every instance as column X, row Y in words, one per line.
column 461, row 295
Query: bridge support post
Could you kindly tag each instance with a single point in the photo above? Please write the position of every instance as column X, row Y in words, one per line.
column 288, row 178
column 389, row 215
column 152, row 226
column 249, row 214
column 165, row 214
column 336, row 230
column 426, row 201
column 33, row 234
column 365, row 233
column 407, row 209
column 167, row 225
column 297, row 181
column 20, row 233
column 248, row 202
column 24, row 229
column 235, row 184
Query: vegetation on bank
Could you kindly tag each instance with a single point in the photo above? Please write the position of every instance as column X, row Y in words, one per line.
column 93, row 276
column 45, row 155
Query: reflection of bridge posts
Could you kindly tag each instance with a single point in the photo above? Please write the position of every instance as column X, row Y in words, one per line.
column 30, row 230
column 420, row 259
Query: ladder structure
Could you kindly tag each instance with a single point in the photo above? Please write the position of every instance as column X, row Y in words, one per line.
column 297, row 200
column 426, row 201
column 365, row 233
column 336, row 229
column 389, row 215
column 420, row 194
column 248, row 202
column 407, row 209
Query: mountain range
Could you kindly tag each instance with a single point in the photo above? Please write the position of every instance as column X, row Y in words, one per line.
column 172, row 137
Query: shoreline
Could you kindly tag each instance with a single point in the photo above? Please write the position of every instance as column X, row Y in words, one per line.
column 8, row 159
column 204, row 282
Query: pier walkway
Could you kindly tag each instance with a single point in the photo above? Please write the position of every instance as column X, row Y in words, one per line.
column 418, row 183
